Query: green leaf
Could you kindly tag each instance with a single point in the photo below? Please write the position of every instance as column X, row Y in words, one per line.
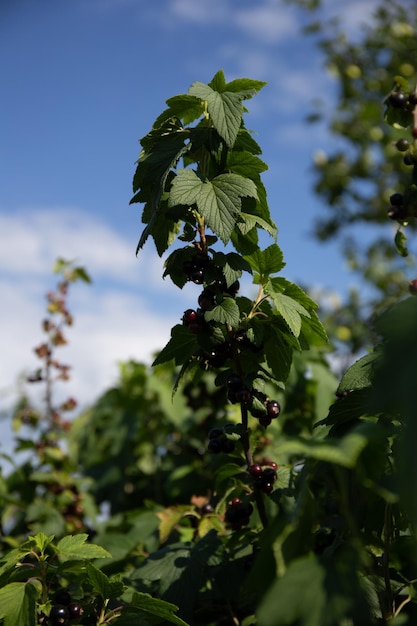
column 401, row 243
column 160, row 608
column 248, row 221
column 267, row 262
column 18, row 604
column 289, row 309
column 102, row 584
column 344, row 451
column 218, row 200
column 245, row 164
column 226, row 312
column 187, row 108
column 225, row 110
column 359, row 375
column 75, row 547
column 232, row 265
column 179, row 348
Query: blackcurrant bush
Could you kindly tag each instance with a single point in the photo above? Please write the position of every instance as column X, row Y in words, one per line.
column 75, row 610
column 398, row 99
column 402, row 145
column 397, row 199
column 59, row 615
column 273, row 409
column 62, row 596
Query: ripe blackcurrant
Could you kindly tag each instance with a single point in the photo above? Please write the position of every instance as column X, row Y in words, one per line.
column 255, row 470
column 189, row 316
column 397, row 199
column 243, row 395
column 75, row 610
column 269, row 475
column 59, row 615
column 234, row 382
column 397, row 213
column 408, row 160
column 273, row 409
column 206, row 299
column 215, row 433
column 197, row 276
column 398, row 99
column 265, row 420
column 402, row 145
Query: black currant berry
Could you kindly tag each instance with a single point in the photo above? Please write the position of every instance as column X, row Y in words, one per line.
column 197, row 276
column 267, row 488
column 255, row 470
column 189, row 316
column 243, row 395
column 62, row 596
column 75, row 610
column 412, row 98
column 206, row 299
column 408, row 160
column 215, row 446
column 269, row 475
column 215, row 433
column 402, row 145
column 265, row 420
column 234, row 382
column 273, row 409
column 59, row 615
column 397, row 213
column 227, row 445
column 398, row 99
column 397, row 199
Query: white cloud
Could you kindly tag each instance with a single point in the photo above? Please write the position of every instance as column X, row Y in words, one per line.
column 126, row 313
column 268, row 23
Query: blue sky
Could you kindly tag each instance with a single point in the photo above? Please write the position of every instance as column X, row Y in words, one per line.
column 82, row 81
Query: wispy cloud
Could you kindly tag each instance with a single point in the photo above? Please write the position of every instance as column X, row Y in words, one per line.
column 122, row 315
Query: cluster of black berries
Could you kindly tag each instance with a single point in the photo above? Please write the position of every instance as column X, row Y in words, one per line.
column 398, row 211
column 219, row 442
column 401, row 100
column 238, row 392
column 403, row 145
column 238, row 513
column 263, row 477
column 64, row 611
column 195, row 268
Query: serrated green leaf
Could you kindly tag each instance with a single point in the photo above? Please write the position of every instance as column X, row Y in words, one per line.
column 289, row 309
column 184, row 106
column 226, row 312
column 106, row 588
column 218, row 200
column 247, row 87
column 245, row 164
column 267, row 262
column 248, row 222
column 225, row 110
column 75, row 547
column 179, row 348
column 160, row 608
column 359, row 375
column 18, row 604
